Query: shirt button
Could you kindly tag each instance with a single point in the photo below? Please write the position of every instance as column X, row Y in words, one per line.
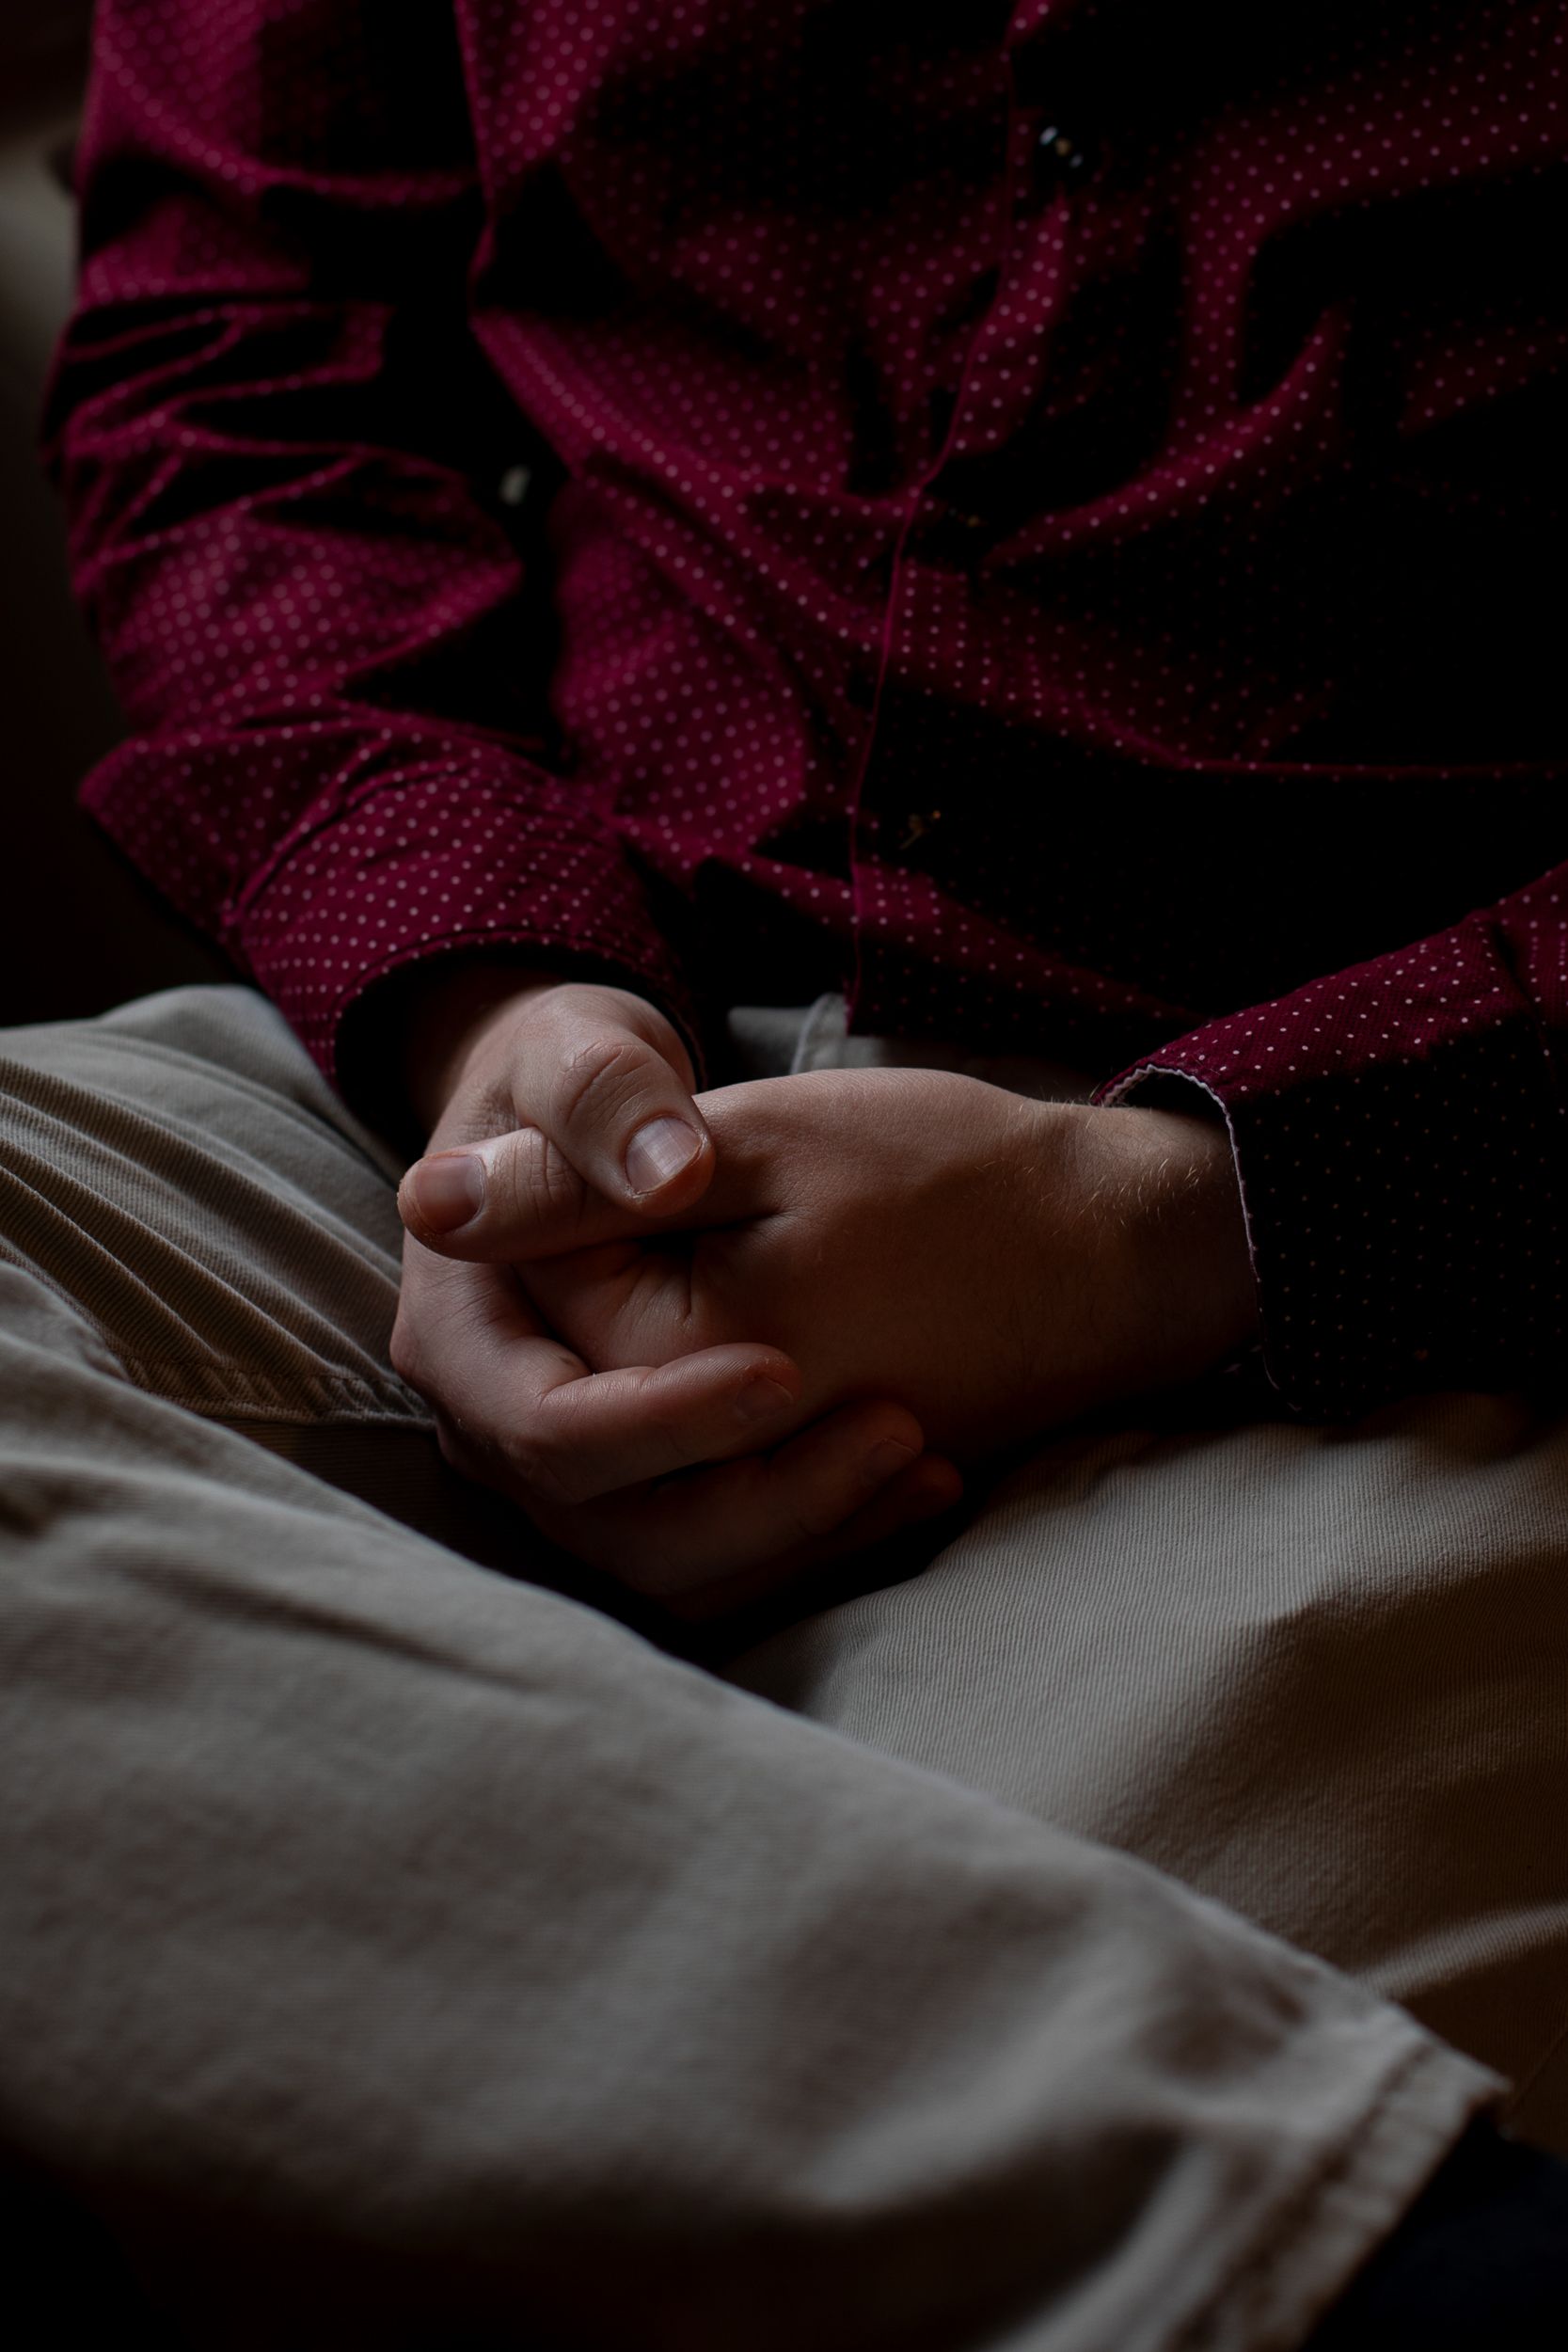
column 917, row 824
column 1059, row 160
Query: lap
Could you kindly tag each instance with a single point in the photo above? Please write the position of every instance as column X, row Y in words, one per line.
column 1315, row 1673
column 1312, row 1672
column 178, row 1169
column 178, row 1172
column 392, row 1945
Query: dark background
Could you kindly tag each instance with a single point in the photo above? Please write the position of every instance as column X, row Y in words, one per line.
column 78, row 930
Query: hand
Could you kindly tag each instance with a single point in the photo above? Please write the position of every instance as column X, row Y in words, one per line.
column 994, row 1264
column 603, row 1459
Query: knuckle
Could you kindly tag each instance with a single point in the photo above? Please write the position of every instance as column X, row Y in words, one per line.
column 496, row 1457
column 432, row 1328
column 598, row 1073
column 547, row 1187
column 491, row 1105
column 508, row 1179
column 456, row 1447
column 544, row 1470
column 661, row 1429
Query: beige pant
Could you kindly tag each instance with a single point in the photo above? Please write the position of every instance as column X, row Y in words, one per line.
column 397, row 1952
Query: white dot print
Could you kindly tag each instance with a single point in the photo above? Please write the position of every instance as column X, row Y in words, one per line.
column 1026, row 519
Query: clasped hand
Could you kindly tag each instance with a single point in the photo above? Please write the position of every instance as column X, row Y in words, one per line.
column 787, row 1349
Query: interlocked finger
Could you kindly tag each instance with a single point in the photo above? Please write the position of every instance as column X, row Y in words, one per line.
column 774, row 1512
column 528, row 1416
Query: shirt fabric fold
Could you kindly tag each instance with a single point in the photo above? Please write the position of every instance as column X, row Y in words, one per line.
column 1032, row 520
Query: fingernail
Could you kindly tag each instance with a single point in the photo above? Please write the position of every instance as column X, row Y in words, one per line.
column 659, row 1151
column 448, row 1189
column 761, row 1398
column 885, row 1460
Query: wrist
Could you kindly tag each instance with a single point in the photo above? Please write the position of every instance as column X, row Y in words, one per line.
column 1185, row 1232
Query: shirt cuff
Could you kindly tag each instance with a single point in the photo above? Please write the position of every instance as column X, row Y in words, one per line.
column 1399, row 1136
column 1174, row 1090
column 421, row 875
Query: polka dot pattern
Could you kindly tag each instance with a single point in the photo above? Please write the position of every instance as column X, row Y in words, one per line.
column 1028, row 513
column 1402, row 1134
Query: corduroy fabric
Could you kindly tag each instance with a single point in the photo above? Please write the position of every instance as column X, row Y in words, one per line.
column 395, row 1954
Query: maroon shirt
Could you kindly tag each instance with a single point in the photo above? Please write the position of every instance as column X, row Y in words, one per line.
column 1048, row 519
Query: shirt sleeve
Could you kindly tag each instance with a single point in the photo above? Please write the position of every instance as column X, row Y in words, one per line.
column 279, row 451
column 1401, row 1142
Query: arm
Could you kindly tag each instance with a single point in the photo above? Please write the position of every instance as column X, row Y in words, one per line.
column 1402, row 1153
column 992, row 1265
column 277, row 446
column 275, row 440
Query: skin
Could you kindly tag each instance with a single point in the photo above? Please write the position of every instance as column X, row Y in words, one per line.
column 860, row 1284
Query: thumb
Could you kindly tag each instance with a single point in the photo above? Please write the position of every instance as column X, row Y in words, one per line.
column 513, row 1197
column 597, row 1074
column 601, row 1118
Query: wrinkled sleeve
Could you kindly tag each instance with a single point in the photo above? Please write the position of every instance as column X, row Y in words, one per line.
column 1401, row 1143
column 279, row 451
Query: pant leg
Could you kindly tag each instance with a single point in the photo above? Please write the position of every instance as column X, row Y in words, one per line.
column 398, row 1953
column 181, row 1170
column 1315, row 1673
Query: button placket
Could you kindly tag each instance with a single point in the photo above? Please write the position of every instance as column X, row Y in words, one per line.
column 1061, row 152
column 916, row 826
column 1057, row 160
